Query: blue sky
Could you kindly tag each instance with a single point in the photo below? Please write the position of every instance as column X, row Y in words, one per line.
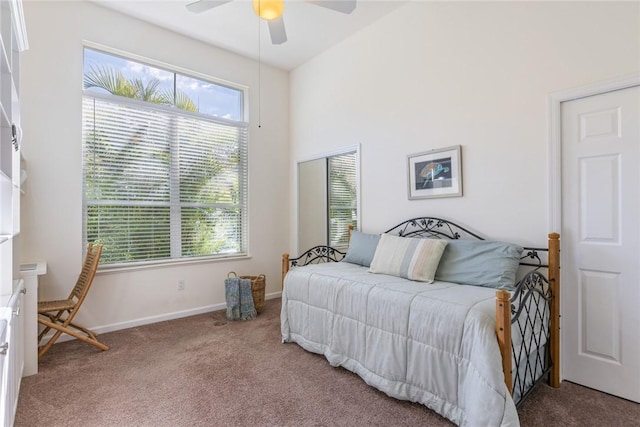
column 211, row 99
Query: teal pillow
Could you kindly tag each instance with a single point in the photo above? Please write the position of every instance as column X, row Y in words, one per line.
column 480, row 263
column 362, row 247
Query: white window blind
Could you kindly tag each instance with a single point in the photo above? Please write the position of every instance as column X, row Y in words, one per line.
column 162, row 183
column 342, row 197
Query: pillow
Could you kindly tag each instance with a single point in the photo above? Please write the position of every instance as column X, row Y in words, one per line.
column 362, row 246
column 414, row 259
column 480, row 263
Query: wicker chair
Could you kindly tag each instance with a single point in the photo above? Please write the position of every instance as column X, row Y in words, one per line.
column 59, row 314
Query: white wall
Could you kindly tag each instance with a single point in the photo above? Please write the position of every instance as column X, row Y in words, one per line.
column 436, row 74
column 51, row 93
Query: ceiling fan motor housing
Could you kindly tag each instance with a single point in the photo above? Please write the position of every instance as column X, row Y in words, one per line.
column 271, row 11
column 268, row 9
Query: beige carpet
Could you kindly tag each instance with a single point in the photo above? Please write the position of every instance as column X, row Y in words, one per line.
column 206, row 371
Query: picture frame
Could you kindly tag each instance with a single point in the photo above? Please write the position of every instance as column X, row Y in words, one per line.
column 435, row 173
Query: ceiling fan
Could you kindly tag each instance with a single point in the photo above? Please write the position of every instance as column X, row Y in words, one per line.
column 271, row 11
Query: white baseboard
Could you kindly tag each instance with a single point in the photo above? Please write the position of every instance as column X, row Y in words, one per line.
column 155, row 319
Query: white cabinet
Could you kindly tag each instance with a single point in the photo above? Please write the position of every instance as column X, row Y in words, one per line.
column 12, row 352
column 30, row 275
column 4, row 368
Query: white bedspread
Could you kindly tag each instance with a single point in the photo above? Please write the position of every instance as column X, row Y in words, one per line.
column 429, row 343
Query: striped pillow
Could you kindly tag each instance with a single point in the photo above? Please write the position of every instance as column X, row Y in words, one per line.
column 413, row 259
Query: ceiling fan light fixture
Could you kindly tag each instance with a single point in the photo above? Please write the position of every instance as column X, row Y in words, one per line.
column 268, row 9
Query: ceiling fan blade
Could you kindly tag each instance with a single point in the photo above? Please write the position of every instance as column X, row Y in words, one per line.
column 343, row 6
column 203, row 5
column 277, row 31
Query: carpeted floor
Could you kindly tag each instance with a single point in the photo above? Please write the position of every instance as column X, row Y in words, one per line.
column 206, row 371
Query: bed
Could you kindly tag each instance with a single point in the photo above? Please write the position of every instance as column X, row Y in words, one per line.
column 470, row 353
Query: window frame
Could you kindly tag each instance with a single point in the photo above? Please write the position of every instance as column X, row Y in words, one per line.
column 172, row 110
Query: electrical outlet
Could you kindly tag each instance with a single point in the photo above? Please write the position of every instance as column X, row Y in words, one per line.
column 181, row 285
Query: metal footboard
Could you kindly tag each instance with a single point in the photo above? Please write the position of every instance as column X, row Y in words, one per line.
column 530, row 333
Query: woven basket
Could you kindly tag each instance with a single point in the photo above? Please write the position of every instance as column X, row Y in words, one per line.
column 258, row 285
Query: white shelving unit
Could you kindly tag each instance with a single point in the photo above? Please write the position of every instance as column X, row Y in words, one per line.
column 12, row 289
column 12, row 42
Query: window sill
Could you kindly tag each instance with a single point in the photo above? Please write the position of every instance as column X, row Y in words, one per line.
column 168, row 263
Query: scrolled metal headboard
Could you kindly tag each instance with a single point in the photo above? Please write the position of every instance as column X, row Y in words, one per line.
column 431, row 227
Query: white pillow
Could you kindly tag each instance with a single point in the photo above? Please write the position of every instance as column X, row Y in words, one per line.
column 411, row 258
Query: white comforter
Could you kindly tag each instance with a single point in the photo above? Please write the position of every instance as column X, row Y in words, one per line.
column 429, row 343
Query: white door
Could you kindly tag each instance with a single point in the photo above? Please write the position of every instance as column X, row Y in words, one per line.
column 600, row 242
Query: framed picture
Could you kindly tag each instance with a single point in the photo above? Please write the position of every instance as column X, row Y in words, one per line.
column 435, row 173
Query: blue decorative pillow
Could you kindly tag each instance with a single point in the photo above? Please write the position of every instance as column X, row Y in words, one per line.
column 480, row 263
column 362, row 247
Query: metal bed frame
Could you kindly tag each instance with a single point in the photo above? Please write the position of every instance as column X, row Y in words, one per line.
column 535, row 300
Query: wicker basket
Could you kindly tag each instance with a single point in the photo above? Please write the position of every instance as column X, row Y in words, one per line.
column 258, row 285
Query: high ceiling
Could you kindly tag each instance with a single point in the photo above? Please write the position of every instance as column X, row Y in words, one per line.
column 234, row 26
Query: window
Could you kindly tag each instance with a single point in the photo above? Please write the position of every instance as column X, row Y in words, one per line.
column 342, row 195
column 165, row 163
